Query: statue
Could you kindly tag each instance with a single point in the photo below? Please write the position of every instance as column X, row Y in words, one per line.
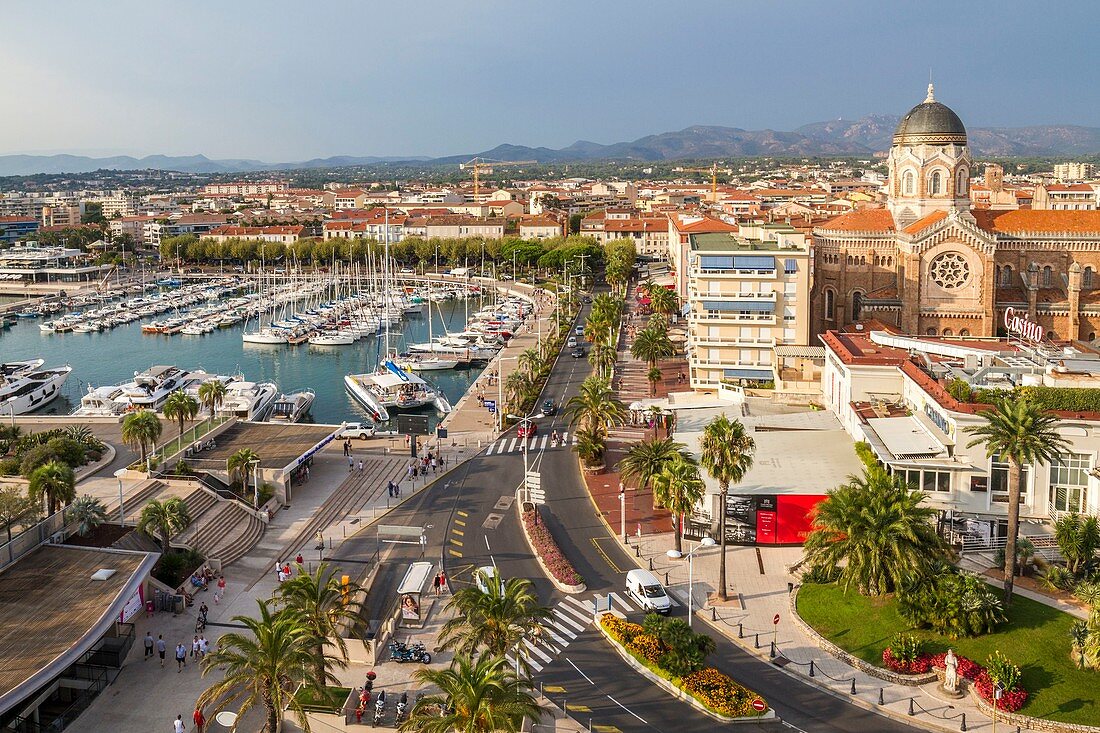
column 951, row 672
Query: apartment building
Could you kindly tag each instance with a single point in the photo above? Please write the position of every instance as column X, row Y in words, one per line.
column 748, row 293
column 1074, row 171
column 116, row 203
column 14, row 227
column 539, row 227
column 283, row 234
column 1066, row 197
column 62, row 215
column 243, row 188
column 648, row 233
column 681, row 226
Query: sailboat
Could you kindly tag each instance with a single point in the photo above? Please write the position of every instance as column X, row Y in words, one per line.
column 432, row 361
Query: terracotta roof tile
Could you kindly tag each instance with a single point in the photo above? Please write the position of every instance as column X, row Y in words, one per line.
column 924, row 223
column 1039, row 221
column 863, row 220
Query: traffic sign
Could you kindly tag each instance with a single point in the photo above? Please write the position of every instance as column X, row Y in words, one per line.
column 490, row 405
column 759, row 705
column 532, row 480
column 536, row 496
column 775, row 619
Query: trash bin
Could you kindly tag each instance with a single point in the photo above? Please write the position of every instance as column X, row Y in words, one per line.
column 179, row 604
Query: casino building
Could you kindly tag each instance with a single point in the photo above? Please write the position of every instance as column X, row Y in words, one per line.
column 932, row 264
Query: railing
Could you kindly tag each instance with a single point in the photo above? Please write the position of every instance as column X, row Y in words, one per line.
column 1045, row 546
column 29, row 539
column 192, row 435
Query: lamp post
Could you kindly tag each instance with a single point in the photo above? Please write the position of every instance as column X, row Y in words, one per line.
column 500, row 390
column 121, row 511
column 622, row 514
column 675, row 555
column 526, row 440
column 255, row 483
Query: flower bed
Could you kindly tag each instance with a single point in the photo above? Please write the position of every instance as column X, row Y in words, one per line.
column 713, row 690
column 920, row 665
column 553, row 559
column 1011, row 701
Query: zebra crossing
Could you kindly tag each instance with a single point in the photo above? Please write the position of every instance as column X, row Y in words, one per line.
column 512, row 444
column 569, row 618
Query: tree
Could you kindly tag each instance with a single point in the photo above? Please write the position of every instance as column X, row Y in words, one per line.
column 727, row 455
column 212, row 395
column 323, row 604
column 483, row 696
column 530, row 361
column 663, row 301
column 14, row 505
column 875, row 527
column 181, row 407
column 54, row 484
column 495, row 621
column 679, row 487
column 239, row 465
column 88, row 512
column 1020, row 433
column 591, row 446
column 602, row 358
column 652, row 345
column 654, row 377
column 596, row 407
column 686, row 651
column 164, row 518
column 645, row 460
column 1078, row 539
column 518, row 387
column 262, row 667
column 142, row 428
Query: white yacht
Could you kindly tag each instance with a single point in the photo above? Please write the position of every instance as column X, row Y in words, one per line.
column 293, row 407
column 332, row 338
column 249, row 400
column 266, row 336
column 105, row 400
column 28, row 390
column 393, row 387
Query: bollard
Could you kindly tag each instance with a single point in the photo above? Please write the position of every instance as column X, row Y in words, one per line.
column 713, row 613
column 880, row 701
column 740, row 630
column 912, row 710
column 771, row 651
column 962, row 725
column 651, row 563
column 666, row 577
column 756, row 644
column 637, row 550
column 790, row 588
column 853, row 686
column 811, row 668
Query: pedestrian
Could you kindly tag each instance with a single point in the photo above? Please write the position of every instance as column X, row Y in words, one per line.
column 195, row 647
column 279, row 570
column 161, row 648
column 320, row 541
column 442, row 581
column 148, row 644
column 204, row 646
column 306, row 472
column 397, row 490
column 360, row 465
column 351, row 464
column 436, row 583
column 409, row 470
column 286, row 571
column 220, row 591
column 203, row 610
column 199, row 720
column 347, row 448
column 181, row 657
column 177, row 724
column 299, row 559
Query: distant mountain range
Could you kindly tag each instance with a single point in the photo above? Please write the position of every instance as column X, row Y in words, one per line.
column 837, row 137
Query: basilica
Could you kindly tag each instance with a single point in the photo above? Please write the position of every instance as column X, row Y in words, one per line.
column 931, row 263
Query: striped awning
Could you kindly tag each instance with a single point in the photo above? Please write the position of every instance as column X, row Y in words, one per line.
column 740, row 306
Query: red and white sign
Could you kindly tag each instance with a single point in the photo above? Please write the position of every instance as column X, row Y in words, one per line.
column 1022, row 326
column 759, row 705
column 775, row 619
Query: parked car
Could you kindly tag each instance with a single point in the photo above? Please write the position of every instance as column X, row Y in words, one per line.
column 485, row 575
column 548, row 407
column 577, row 353
column 356, row 430
column 528, row 429
column 644, row 588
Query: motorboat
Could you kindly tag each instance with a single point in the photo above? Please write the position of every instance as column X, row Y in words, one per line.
column 430, row 363
column 265, row 336
column 249, row 400
column 293, row 407
column 15, row 368
column 391, row 387
column 332, row 338
column 31, row 390
column 105, row 400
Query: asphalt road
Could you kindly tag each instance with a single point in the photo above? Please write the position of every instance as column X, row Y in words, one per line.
column 471, row 521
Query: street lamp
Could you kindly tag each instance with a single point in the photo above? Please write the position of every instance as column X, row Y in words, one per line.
column 256, row 483
column 121, row 511
column 500, row 390
column 676, row 555
column 526, row 440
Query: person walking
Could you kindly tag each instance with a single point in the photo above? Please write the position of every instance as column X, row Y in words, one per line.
column 347, row 448
column 433, row 464
column 177, row 724
column 199, row 719
column 351, row 464
column 360, row 465
column 436, row 583
column 221, row 589
column 195, row 647
column 181, row 657
column 203, row 610
column 442, row 581
column 162, row 648
column 148, row 644
column 204, row 646
column 299, row 559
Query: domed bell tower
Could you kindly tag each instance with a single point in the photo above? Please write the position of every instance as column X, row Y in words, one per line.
column 929, row 163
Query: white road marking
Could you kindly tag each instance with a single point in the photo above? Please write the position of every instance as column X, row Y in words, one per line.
column 532, row 663
column 582, row 674
column 567, row 620
column 534, row 648
column 624, row 707
column 620, row 602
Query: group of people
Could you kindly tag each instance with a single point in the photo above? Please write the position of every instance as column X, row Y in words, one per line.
column 199, row 648
column 283, row 570
column 421, row 466
column 198, row 718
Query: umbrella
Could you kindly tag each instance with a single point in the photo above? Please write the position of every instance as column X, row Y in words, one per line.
column 637, row 406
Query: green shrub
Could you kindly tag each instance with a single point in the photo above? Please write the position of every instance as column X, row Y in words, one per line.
column 67, row 451
column 1002, row 671
column 906, row 647
column 960, row 389
column 952, row 604
column 1058, row 577
column 34, row 458
column 9, row 466
column 866, row 456
column 1088, row 591
column 175, row 567
column 821, row 575
column 684, row 651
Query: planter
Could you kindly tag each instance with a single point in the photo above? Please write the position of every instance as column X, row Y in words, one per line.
column 675, row 691
column 563, row 587
column 593, row 470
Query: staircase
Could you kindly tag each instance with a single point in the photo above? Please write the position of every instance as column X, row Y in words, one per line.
column 197, row 502
column 219, row 529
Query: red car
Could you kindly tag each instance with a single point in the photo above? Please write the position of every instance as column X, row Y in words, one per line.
column 528, row 430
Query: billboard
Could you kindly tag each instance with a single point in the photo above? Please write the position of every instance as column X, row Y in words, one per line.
column 769, row 519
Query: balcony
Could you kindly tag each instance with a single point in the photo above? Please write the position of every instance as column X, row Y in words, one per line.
column 732, row 317
column 732, row 341
column 742, row 295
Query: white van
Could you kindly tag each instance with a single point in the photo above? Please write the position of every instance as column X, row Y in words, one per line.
column 644, row 588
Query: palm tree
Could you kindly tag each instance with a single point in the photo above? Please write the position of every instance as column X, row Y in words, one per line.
column 591, row 447
column 663, row 301
column 876, row 527
column 518, row 386
column 88, row 512
column 651, row 345
column 239, row 464
column 727, row 455
column 596, row 407
column 645, row 460
column 1078, row 538
column 142, row 428
column 679, row 488
column 530, row 361
column 181, row 407
column 485, row 696
column 52, row 483
column 1020, row 433
column 324, row 604
column 654, row 376
column 602, row 358
column 495, row 621
column 164, row 518
column 212, row 395
column 262, row 667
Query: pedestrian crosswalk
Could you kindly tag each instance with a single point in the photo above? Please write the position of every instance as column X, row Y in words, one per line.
column 512, row 444
column 568, row 618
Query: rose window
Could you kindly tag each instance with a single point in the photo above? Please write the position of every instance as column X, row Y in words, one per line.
column 950, row 271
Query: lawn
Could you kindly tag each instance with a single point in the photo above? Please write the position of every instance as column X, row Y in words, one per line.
column 331, row 699
column 1036, row 638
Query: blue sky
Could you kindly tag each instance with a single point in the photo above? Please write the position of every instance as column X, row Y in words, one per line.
column 284, row 80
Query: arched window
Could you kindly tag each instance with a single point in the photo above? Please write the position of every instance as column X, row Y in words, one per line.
column 1092, row 335
column 863, row 260
column 830, row 304
column 857, row 304
column 910, row 181
column 889, row 261
column 948, row 332
column 965, row 332
column 1006, row 276
column 935, row 184
column 930, row 332
column 1048, row 276
column 849, row 259
column 961, row 182
column 1086, row 278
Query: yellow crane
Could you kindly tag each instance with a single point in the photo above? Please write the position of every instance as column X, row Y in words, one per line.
column 713, row 171
column 485, row 164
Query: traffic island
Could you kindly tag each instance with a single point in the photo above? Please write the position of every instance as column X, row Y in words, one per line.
column 551, row 559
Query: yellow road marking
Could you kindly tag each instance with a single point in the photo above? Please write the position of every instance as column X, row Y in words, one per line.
column 597, row 728
column 456, row 542
column 454, row 553
column 462, row 513
column 596, row 544
column 578, row 708
column 460, row 523
column 557, row 689
column 458, row 532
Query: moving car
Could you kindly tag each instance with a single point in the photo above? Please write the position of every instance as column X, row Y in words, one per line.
column 579, row 330
column 577, row 353
column 644, row 588
column 485, row 575
column 356, row 430
column 548, row 407
column 571, row 342
column 528, row 429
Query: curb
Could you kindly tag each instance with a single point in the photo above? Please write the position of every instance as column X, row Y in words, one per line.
column 570, row 589
column 89, row 471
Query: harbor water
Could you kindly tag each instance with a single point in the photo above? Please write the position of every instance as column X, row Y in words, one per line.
column 111, row 357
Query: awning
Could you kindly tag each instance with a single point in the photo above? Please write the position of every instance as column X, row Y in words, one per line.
column 753, row 263
column 711, row 262
column 744, row 306
column 800, row 352
column 763, row 375
column 902, row 439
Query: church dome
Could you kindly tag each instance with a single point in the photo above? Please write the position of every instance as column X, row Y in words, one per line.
column 930, row 123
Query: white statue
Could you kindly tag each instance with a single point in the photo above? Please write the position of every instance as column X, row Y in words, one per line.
column 951, row 671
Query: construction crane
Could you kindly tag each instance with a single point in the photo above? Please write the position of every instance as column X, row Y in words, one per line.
column 713, row 171
column 478, row 165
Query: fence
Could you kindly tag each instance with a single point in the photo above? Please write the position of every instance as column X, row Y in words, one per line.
column 29, row 539
column 1045, row 546
column 192, row 435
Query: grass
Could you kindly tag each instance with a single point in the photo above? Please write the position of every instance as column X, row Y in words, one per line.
column 326, row 700
column 1036, row 637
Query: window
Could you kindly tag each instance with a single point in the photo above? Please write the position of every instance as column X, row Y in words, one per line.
column 1006, row 276
column 936, row 481
column 1048, row 276
column 1071, row 470
column 790, row 267
column 909, row 181
column 930, row 332
column 1086, row 278
column 998, row 477
column 830, row 304
column 960, row 186
column 948, row 332
column 857, row 304
column 965, row 332
column 935, row 185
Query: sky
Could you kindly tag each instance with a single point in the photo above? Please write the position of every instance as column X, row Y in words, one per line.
column 286, row 81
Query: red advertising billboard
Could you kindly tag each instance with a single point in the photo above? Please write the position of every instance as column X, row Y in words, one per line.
column 794, row 517
column 769, row 519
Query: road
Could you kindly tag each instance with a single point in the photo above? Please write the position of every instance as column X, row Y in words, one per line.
column 471, row 522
